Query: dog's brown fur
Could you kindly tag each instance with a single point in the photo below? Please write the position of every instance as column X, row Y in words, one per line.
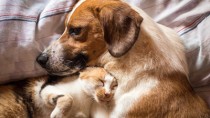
column 138, row 52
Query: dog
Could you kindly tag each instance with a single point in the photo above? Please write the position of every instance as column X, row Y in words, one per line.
column 147, row 58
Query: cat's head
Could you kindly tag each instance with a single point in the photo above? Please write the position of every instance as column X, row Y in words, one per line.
column 98, row 83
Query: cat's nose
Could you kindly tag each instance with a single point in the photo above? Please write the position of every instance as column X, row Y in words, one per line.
column 107, row 95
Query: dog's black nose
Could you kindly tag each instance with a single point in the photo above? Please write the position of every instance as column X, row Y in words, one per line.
column 42, row 59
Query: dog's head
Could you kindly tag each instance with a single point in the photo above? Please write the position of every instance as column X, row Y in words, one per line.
column 92, row 28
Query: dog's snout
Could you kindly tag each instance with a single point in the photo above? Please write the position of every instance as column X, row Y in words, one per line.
column 80, row 61
column 42, row 59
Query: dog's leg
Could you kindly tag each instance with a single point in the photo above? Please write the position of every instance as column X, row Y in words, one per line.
column 53, row 97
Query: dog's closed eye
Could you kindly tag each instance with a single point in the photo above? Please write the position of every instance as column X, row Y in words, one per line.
column 78, row 33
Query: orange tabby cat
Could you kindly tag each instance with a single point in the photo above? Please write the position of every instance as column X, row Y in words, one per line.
column 99, row 83
column 60, row 97
column 102, row 88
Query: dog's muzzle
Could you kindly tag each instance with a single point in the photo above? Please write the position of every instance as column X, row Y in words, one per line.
column 77, row 62
column 67, row 65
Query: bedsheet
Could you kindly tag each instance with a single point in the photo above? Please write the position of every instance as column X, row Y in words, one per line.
column 28, row 26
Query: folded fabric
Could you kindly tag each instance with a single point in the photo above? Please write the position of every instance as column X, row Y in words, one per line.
column 27, row 27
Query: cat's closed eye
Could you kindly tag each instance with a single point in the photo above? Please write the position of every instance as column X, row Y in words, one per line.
column 101, row 82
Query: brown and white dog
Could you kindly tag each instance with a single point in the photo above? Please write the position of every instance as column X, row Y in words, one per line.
column 147, row 59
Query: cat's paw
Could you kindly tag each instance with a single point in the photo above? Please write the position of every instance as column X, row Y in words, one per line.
column 63, row 106
column 57, row 113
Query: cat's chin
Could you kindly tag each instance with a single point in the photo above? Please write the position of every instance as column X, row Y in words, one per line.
column 104, row 101
column 98, row 100
column 101, row 101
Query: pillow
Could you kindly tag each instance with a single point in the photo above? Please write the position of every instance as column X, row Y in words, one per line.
column 27, row 26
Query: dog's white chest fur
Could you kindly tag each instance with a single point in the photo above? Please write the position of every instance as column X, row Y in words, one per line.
column 125, row 100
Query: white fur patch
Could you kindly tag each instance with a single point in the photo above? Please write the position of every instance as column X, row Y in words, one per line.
column 107, row 85
column 127, row 100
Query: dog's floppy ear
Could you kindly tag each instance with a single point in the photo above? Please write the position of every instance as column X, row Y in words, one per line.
column 121, row 27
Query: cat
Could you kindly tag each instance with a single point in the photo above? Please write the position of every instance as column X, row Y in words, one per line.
column 83, row 96
column 102, row 88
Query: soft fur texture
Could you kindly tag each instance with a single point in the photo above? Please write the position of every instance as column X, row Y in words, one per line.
column 147, row 59
column 67, row 97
